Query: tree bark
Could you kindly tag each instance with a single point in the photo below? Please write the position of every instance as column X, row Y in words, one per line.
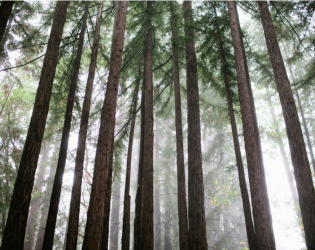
column 147, row 213
column 239, row 162
column 260, row 201
column 14, row 233
column 181, row 183
column 35, row 203
column 115, row 210
column 5, row 12
column 301, row 166
column 125, row 239
column 56, row 190
column 98, row 213
column 196, row 208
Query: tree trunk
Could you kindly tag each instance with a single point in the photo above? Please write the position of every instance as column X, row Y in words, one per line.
column 35, row 203
column 5, row 12
column 196, row 214
column 74, row 212
column 167, row 231
column 301, row 166
column 98, row 213
column 147, row 213
column 125, row 239
column 181, row 186
column 138, row 212
column 46, row 198
column 239, row 162
column 260, row 202
column 56, row 190
column 157, row 199
column 115, row 210
column 14, row 233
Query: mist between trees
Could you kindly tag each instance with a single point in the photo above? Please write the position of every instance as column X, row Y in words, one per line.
column 157, row 125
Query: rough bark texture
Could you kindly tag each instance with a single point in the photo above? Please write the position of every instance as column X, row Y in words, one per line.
column 5, row 12
column 72, row 234
column 115, row 210
column 301, row 166
column 260, row 202
column 56, row 190
column 181, row 184
column 196, row 208
column 239, row 162
column 98, row 213
column 147, row 236
column 125, row 239
column 35, row 203
column 138, row 212
column 14, row 233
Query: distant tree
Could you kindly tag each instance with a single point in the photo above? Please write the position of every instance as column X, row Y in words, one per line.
column 14, row 233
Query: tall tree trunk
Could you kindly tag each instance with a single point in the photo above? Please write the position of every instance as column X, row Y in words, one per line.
column 167, row 231
column 114, row 221
column 301, row 166
column 181, row 184
column 260, row 201
column 46, row 198
column 5, row 12
column 239, row 162
column 139, row 197
column 35, row 203
column 14, row 233
column 74, row 212
column 56, row 191
column 125, row 239
column 147, row 213
column 196, row 208
column 157, row 199
column 98, row 213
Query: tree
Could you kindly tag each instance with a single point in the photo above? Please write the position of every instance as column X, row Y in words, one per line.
column 98, row 213
column 56, row 191
column 260, row 201
column 181, row 184
column 5, row 10
column 302, row 172
column 196, row 208
column 14, row 233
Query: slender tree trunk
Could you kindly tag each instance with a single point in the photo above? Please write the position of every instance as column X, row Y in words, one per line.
column 196, row 208
column 35, row 204
column 114, row 221
column 56, row 191
column 167, row 231
column 138, row 212
column 181, row 186
column 239, row 162
column 301, row 166
column 73, row 224
column 98, row 213
column 5, row 12
column 14, row 233
column 260, row 201
column 147, row 213
column 125, row 239
column 46, row 198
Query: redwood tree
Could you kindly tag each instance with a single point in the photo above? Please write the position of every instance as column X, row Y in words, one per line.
column 98, row 213
column 5, row 12
column 260, row 202
column 56, row 190
column 301, row 166
column 72, row 233
column 14, row 233
column 196, row 207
